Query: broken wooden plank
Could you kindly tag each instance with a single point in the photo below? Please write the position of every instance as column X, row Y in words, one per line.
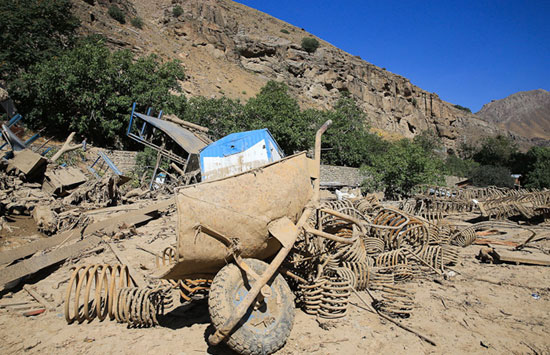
column 107, row 225
column 138, row 278
column 28, row 162
column 487, row 241
column 13, row 304
column 61, row 180
column 32, row 265
column 520, row 258
column 45, row 303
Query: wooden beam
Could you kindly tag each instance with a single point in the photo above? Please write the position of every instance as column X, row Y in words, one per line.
column 107, row 225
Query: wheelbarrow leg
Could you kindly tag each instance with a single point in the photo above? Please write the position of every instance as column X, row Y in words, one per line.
column 251, row 296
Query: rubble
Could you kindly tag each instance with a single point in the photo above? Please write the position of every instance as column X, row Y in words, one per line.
column 61, row 180
column 347, row 249
column 28, row 163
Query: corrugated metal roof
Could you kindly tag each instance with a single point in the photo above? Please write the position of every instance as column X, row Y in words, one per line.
column 183, row 137
column 238, row 142
column 238, row 152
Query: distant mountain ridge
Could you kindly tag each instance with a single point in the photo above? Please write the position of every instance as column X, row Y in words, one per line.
column 525, row 113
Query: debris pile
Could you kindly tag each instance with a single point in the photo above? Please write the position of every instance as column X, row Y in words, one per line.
column 382, row 252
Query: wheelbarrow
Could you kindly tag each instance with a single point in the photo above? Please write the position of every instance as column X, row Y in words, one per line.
column 225, row 229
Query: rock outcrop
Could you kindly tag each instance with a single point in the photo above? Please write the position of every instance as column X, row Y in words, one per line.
column 232, row 50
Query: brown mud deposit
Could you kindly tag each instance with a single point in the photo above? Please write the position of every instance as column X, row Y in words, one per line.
column 484, row 308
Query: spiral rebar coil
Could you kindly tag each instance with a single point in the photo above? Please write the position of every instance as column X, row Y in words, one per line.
column 139, row 306
column 361, row 274
column 328, row 296
column 97, row 291
column 464, row 237
column 187, row 287
column 397, row 229
column 440, row 256
column 396, row 301
column 380, row 277
column 373, row 245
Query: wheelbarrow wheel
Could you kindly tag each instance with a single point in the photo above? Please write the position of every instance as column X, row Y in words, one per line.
column 267, row 323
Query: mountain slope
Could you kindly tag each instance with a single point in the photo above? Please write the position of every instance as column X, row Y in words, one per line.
column 230, row 49
column 525, row 113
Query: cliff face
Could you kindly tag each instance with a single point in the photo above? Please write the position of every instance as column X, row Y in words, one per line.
column 232, row 50
column 525, row 113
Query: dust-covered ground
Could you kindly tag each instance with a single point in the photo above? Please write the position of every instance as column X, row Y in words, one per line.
column 484, row 308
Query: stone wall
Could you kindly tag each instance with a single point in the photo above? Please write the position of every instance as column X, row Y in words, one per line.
column 124, row 160
column 340, row 176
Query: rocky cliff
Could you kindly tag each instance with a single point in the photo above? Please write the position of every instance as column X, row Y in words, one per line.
column 232, row 50
column 525, row 113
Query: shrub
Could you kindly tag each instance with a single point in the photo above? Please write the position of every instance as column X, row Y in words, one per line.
column 177, row 11
column 137, row 22
column 310, row 44
column 489, row 175
column 466, row 109
column 284, row 31
column 117, row 14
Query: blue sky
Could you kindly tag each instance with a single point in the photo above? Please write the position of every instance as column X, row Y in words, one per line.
column 468, row 52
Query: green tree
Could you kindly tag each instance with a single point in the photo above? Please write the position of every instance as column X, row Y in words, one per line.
column 90, row 90
column 490, row 175
column 537, row 174
column 496, row 151
column 459, row 167
column 348, row 141
column 275, row 109
column 31, row 31
column 428, row 140
column 404, row 165
column 310, row 44
column 222, row 116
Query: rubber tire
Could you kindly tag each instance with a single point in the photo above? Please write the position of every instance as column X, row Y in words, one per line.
column 247, row 338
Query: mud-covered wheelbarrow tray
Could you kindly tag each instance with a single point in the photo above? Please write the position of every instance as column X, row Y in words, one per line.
column 226, row 228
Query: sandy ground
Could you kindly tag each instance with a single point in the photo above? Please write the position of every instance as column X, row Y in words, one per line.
column 483, row 309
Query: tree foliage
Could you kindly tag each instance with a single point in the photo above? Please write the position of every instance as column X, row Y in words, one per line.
column 466, row 109
column 31, row 31
column 177, row 11
column 402, row 166
column 275, row 109
column 90, row 90
column 537, row 172
column 459, row 167
column 348, row 141
column 137, row 22
column 222, row 116
column 496, row 151
column 490, row 175
column 310, row 44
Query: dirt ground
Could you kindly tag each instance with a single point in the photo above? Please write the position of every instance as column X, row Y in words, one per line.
column 484, row 308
